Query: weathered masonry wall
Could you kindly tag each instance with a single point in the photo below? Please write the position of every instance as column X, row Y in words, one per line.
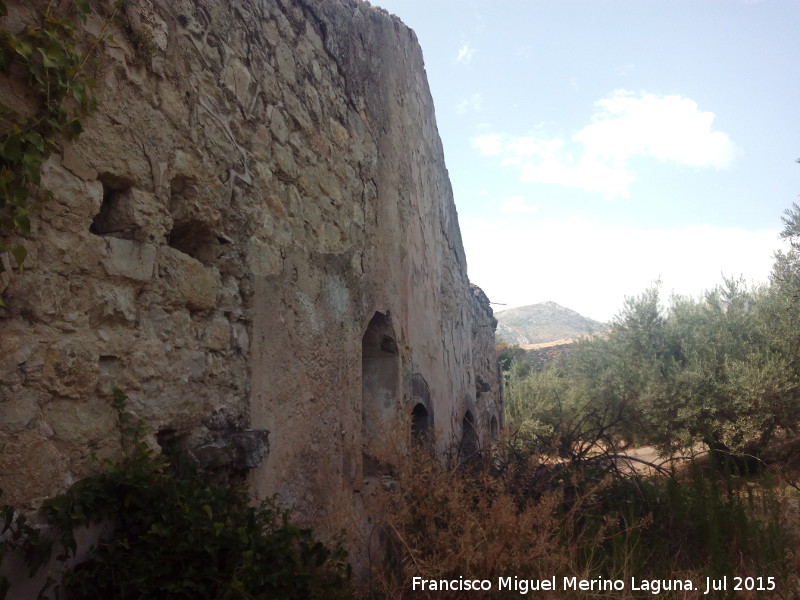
column 256, row 231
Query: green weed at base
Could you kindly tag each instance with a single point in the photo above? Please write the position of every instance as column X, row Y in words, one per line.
column 176, row 536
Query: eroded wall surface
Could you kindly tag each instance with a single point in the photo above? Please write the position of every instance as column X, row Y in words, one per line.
column 256, row 231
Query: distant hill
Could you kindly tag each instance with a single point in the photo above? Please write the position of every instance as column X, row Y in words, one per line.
column 542, row 323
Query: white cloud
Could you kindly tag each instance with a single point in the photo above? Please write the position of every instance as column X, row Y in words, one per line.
column 465, row 54
column 592, row 267
column 489, row 144
column 542, row 160
column 472, row 104
column 625, row 126
column 669, row 128
column 517, row 204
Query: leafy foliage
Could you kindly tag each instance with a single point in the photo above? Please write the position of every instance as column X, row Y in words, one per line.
column 721, row 370
column 509, row 355
column 173, row 535
column 45, row 55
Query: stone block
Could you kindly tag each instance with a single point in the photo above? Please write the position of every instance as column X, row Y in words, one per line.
column 78, row 197
column 186, row 281
column 31, row 469
column 241, row 339
column 263, row 258
column 75, row 163
column 284, row 57
column 129, row 258
column 71, row 367
column 17, row 412
column 40, row 295
column 234, row 450
column 16, row 347
column 217, row 335
column 188, row 365
column 237, row 79
column 279, row 127
column 113, row 303
column 82, row 423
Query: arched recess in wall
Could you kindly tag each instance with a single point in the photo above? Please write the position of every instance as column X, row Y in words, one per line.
column 494, row 429
column 380, row 387
column 470, row 446
column 421, row 411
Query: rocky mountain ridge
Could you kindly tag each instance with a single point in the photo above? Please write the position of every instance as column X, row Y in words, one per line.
column 544, row 322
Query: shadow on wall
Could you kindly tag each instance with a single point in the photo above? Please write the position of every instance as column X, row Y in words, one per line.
column 470, row 446
column 380, row 388
column 381, row 397
column 422, row 423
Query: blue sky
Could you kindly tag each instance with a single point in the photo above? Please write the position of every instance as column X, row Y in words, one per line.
column 596, row 146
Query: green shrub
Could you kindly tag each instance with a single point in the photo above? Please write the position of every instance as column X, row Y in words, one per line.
column 175, row 536
column 702, row 522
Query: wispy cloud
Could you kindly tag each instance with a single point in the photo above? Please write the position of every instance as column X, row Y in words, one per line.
column 490, row 144
column 473, row 103
column 524, row 51
column 465, row 54
column 624, row 126
column 542, row 160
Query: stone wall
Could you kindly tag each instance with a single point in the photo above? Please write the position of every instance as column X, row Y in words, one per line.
column 256, row 231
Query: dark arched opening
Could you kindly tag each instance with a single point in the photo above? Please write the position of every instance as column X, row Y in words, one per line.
column 494, row 429
column 380, row 369
column 422, row 413
column 469, row 437
column 420, row 423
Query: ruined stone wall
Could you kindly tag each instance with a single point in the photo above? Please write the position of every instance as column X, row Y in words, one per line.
column 256, row 231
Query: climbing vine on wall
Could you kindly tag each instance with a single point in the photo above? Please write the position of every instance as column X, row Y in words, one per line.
column 45, row 56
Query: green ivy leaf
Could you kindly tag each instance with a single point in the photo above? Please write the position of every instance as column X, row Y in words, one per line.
column 22, row 221
column 47, row 54
column 73, row 128
column 82, row 7
column 21, row 47
column 5, row 177
column 12, row 149
column 19, row 253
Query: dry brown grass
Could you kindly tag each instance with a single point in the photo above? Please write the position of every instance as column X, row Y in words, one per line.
column 447, row 521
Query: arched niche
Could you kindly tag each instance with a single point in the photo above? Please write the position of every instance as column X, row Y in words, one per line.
column 422, row 410
column 380, row 389
column 494, row 429
column 470, row 446
column 420, row 423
